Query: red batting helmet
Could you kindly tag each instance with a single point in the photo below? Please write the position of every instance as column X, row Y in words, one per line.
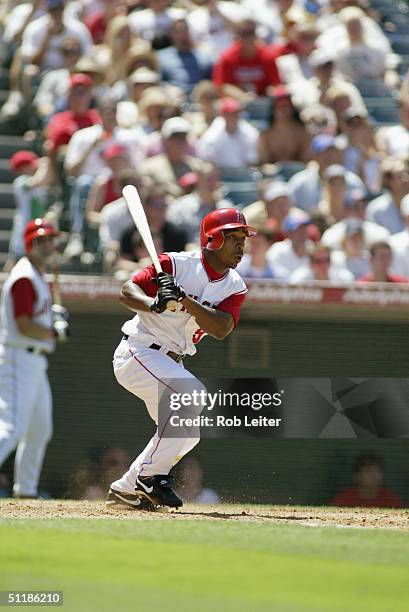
column 213, row 224
column 35, row 229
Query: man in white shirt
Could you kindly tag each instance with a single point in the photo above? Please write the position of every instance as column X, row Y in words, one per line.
column 400, row 243
column 394, row 139
column 212, row 25
column 155, row 21
column 84, row 151
column 354, row 207
column 230, row 140
column 385, row 210
column 41, row 44
column 321, row 268
column 306, row 186
column 291, row 254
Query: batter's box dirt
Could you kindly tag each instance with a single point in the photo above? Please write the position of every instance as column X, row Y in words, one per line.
column 314, row 517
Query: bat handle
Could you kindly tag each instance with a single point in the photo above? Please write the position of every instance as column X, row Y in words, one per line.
column 172, row 305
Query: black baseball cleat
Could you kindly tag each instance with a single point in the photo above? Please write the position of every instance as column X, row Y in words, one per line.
column 136, row 502
column 158, row 490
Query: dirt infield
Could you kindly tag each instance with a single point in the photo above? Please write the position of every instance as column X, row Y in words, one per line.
column 351, row 517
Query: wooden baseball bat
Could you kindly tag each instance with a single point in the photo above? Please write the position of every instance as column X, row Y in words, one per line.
column 138, row 215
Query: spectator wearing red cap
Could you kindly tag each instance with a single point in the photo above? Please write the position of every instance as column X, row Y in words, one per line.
column 30, row 190
column 230, row 140
column 107, row 187
column 381, row 264
column 78, row 116
column 24, row 162
column 247, row 63
column 188, row 211
column 286, row 138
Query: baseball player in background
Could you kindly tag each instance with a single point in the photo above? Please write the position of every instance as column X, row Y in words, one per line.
column 210, row 293
column 29, row 327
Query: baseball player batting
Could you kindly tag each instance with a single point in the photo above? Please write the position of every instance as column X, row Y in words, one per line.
column 210, row 293
column 29, row 328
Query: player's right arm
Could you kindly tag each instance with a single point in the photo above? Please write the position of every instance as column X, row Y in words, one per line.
column 138, row 293
column 134, row 298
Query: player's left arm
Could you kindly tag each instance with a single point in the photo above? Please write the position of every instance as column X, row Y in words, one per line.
column 217, row 322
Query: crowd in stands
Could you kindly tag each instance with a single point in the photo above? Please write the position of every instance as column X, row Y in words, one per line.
column 295, row 111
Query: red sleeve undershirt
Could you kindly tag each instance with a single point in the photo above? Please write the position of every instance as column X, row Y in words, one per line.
column 23, row 297
column 232, row 305
column 144, row 279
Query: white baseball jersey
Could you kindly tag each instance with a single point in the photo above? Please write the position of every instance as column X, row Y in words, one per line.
column 42, row 315
column 179, row 331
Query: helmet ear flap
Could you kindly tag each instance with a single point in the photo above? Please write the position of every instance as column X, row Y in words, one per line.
column 215, row 241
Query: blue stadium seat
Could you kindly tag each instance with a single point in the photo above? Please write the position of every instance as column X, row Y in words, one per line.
column 400, row 43
column 241, row 193
column 384, row 111
column 373, row 88
column 239, row 174
column 258, row 111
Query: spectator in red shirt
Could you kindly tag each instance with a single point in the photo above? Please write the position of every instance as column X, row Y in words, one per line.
column 368, row 490
column 79, row 114
column 381, row 261
column 247, row 63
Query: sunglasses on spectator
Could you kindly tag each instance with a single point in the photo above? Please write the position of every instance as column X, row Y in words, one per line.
column 321, row 260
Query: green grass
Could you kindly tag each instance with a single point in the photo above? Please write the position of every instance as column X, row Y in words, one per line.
column 195, row 566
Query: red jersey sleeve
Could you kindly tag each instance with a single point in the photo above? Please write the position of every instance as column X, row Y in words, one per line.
column 23, row 297
column 232, row 305
column 144, row 278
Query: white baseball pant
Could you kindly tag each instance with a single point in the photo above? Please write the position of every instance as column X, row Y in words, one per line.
column 25, row 415
column 145, row 373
